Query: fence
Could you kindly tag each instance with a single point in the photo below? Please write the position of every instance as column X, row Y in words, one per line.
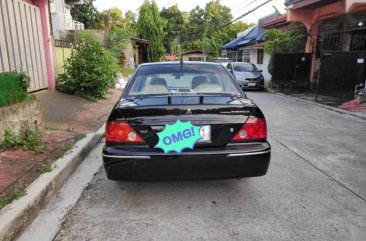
column 21, row 42
column 291, row 70
column 339, row 73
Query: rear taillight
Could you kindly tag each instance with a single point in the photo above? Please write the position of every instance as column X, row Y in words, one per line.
column 120, row 131
column 254, row 129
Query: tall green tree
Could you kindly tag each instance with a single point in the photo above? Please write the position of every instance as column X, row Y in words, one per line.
column 193, row 29
column 173, row 24
column 150, row 26
column 87, row 14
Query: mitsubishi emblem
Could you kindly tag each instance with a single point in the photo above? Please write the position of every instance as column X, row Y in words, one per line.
column 189, row 112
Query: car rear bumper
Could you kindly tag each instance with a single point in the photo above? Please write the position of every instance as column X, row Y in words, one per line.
column 252, row 85
column 133, row 163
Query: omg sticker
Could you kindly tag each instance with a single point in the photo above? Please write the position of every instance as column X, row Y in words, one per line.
column 179, row 136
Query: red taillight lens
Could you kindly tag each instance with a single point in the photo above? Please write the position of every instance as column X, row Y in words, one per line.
column 253, row 129
column 120, row 131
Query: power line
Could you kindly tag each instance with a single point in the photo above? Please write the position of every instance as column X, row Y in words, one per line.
column 232, row 21
column 241, row 7
column 242, row 16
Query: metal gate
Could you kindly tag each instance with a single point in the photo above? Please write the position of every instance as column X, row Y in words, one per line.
column 339, row 73
column 21, row 42
column 291, row 70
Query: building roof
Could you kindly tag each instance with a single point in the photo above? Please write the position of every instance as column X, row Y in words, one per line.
column 241, row 41
column 256, row 46
column 276, row 22
column 170, row 57
column 194, row 51
column 140, row 41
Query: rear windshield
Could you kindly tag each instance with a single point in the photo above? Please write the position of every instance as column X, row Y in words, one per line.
column 245, row 68
column 186, row 79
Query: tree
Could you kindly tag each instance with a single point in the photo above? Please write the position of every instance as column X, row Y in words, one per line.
column 150, row 26
column 130, row 20
column 115, row 18
column 173, row 24
column 87, row 14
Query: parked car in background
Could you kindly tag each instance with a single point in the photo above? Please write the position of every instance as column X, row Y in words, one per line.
column 247, row 75
column 145, row 127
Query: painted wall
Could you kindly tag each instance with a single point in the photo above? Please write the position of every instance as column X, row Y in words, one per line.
column 61, row 55
column 264, row 67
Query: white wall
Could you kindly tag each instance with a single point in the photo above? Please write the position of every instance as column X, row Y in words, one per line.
column 58, row 18
column 264, row 67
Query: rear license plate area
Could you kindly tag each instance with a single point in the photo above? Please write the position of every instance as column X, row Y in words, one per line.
column 205, row 133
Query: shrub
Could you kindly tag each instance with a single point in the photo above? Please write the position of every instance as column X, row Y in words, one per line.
column 90, row 71
column 13, row 88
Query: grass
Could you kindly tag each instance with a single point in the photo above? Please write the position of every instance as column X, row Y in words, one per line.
column 13, row 88
column 14, row 196
column 45, row 168
column 81, row 136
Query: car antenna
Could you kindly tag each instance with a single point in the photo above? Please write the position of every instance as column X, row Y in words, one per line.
column 181, row 62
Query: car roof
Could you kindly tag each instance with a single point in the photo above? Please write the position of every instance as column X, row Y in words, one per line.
column 178, row 62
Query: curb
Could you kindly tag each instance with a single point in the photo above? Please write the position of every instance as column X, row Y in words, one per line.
column 15, row 217
column 334, row 109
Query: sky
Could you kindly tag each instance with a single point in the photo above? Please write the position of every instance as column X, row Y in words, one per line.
column 238, row 7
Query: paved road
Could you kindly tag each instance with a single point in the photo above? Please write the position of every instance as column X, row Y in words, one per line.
column 315, row 190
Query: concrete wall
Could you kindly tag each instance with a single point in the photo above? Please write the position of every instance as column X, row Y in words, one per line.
column 21, row 116
column 264, row 67
column 58, row 19
column 186, row 57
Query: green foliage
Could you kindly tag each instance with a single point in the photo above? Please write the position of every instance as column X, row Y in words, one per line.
column 115, row 18
column 13, row 88
column 87, row 14
column 127, row 71
column 117, row 21
column 30, row 139
column 14, row 196
column 173, row 24
column 201, row 32
column 118, row 40
column 150, row 26
column 90, row 71
column 278, row 41
column 45, row 168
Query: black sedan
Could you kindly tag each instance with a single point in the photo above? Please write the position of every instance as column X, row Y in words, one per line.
column 247, row 74
column 178, row 121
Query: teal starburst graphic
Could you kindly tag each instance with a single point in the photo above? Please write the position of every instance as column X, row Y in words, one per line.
column 179, row 136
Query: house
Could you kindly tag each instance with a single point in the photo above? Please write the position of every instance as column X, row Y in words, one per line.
column 25, row 37
column 234, row 51
column 248, row 46
column 336, row 39
column 194, row 55
column 62, row 21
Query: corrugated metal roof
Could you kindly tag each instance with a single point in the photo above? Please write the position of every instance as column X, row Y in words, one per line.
column 241, row 41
